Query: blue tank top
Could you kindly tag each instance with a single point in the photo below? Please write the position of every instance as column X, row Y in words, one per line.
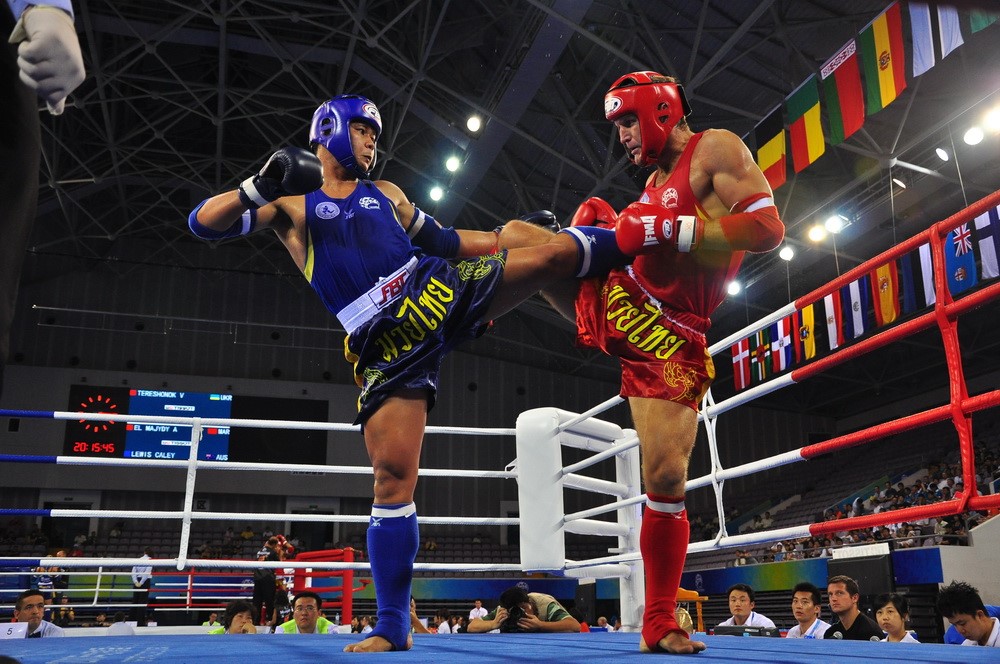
column 351, row 243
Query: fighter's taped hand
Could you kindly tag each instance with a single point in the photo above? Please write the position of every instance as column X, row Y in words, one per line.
column 289, row 172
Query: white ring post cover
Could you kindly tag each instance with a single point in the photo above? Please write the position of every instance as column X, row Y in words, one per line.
column 540, row 491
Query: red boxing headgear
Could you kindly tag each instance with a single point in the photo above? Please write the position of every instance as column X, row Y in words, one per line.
column 658, row 106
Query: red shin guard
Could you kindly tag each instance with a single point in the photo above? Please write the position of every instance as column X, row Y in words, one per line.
column 663, row 542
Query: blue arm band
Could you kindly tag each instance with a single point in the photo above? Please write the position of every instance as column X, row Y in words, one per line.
column 241, row 226
column 430, row 236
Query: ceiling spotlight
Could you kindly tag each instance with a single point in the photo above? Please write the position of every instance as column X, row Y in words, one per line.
column 817, row 233
column 786, row 253
column 474, row 123
column 974, row 136
column 992, row 119
column 942, row 154
column 436, row 193
column 452, row 164
column 899, row 183
column 734, row 288
column 835, row 223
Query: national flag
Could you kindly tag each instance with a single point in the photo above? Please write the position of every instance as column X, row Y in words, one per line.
column 918, row 279
column 804, row 127
column 885, row 293
column 845, row 106
column 855, row 306
column 923, row 40
column 950, row 30
column 882, row 57
column 805, row 327
column 988, row 235
column 959, row 260
column 761, row 357
column 741, row 364
column 770, row 137
column 979, row 19
column 834, row 320
column 781, row 344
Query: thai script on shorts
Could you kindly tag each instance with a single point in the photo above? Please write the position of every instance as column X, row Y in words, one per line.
column 417, row 317
column 640, row 324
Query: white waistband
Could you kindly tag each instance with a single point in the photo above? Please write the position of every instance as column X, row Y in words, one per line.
column 378, row 296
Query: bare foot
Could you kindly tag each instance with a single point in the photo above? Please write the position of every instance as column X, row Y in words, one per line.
column 375, row 644
column 674, row 643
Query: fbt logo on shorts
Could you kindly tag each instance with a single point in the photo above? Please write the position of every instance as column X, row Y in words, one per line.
column 389, row 290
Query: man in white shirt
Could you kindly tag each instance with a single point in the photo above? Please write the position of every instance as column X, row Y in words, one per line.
column 142, row 576
column 962, row 605
column 479, row 611
column 29, row 608
column 741, row 603
column 807, row 604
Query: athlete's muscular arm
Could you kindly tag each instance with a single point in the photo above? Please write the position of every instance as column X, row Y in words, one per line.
column 430, row 236
column 736, row 181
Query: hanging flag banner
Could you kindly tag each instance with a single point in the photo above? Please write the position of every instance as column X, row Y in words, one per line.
column 805, row 324
column 761, row 357
column 834, row 320
column 950, row 30
column 923, row 40
column 959, row 260
column 804, row 127
column 741, row 364
column 918, row 279
column 979, row 19
column 988, row 235
column 885, row 293
column 845, row 106
column 770, row 137
column 781, row 344
column 855, row 304
column 882, row 57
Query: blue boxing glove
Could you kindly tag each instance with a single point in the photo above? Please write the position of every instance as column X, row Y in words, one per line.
column 289, row 172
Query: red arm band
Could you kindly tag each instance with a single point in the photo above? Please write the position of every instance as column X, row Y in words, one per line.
column 754, row 225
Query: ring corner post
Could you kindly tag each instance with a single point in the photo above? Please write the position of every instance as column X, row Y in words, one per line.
column 540, row 491
column 631, row 588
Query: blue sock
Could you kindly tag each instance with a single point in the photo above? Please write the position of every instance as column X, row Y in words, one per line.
column 597, row 250
column 393, row 540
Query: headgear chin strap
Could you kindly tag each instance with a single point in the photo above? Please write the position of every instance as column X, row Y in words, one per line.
column 658, row 106
column 331, row 124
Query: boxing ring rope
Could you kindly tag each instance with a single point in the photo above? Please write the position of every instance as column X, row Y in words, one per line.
column 541, row 476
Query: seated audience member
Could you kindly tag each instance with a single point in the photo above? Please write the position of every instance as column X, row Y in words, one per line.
column 478, row 610
column 741, row 604
column 63, row 614
column 442, row 618
column 852, row 625
column 306, row 618
column 416, row 627
column 953, row 637
column 892, row 618
column 807, row 604
column 213, row 620
column 521, row 611
column 238, row 618
column 29, row 608
column 961, row 604
column 356, row 621
column 366, row 624
column 100, row 620
column 601, row 626
column 119, row 627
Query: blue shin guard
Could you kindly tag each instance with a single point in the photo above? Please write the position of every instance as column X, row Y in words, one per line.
column 393, row 540
column 597, row 249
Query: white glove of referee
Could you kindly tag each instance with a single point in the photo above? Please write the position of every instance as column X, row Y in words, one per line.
column 49, row 54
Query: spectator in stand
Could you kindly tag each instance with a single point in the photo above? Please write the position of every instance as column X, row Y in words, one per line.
column 63, row 614
column 953, row 636
column 766, row 522
column 30, row 608
column 962, row 605
column 601, row 626
column 100, row 620
column 247, row 533
column 851, row 625
column 892, row 618
column 478, row 611
column 807, row 604
column 238, row 618
column 366, row 624
column 306, row 609
column 758, row 523
column 441, row 618
column 356, row 621
column 741, row 605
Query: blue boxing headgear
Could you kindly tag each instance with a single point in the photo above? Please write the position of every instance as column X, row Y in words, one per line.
column 331, row 125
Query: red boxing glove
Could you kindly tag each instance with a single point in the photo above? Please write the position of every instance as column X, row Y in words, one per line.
column 594, row 212
column 643, row 228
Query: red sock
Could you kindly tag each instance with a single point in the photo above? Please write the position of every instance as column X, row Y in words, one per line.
column 663, row 542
